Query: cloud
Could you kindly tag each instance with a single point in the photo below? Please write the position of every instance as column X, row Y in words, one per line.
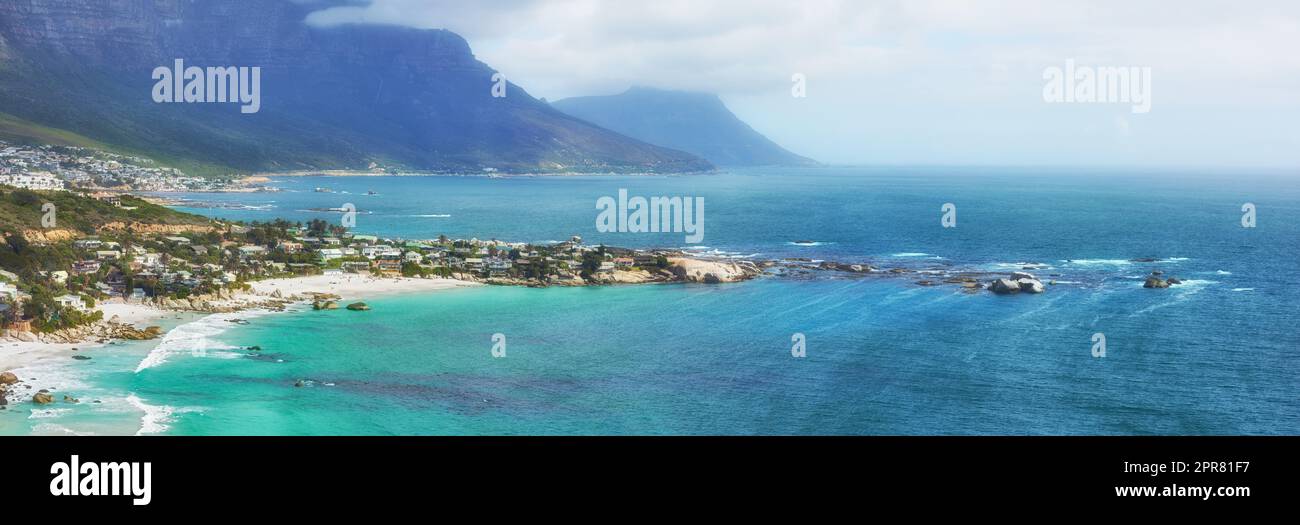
column 875, row 68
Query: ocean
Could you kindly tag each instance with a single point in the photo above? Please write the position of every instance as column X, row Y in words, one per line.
column 1218, row 354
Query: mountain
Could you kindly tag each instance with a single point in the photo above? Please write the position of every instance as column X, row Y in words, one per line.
column 331, row 98
column 697, row 123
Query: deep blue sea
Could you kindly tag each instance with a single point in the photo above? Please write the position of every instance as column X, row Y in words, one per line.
column 1219, row 354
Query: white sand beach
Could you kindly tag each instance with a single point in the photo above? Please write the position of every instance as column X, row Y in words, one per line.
column 353, row 286
column 15, row 353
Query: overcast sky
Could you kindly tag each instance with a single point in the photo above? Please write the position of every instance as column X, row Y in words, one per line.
column 916, row 81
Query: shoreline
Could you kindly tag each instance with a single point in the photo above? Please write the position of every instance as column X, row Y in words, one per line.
column 17, row 354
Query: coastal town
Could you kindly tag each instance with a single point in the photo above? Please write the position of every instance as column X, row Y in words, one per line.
column 57, row 168
column 53, row 278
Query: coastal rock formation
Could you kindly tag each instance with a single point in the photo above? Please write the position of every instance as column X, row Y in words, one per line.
column 358, row 307
column 1004, row 286
column 711, row 271
column 42, row 398
column 842, row 267
column 8, row 378
column 98, row 331
column 1155, row 282
column 1018, row 282
column 1031, row 285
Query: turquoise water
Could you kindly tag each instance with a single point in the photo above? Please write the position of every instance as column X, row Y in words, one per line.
column 1218, row 355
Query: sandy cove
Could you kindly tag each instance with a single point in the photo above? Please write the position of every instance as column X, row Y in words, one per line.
column 120, row 315
column 15, row 353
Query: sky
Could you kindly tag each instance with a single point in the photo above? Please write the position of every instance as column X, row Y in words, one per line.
column 935, row 82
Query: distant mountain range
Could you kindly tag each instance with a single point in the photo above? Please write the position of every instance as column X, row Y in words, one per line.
column 348, row 97
column 697, row 123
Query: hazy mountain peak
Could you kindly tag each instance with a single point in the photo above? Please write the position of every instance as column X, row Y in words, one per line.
column 695, row 122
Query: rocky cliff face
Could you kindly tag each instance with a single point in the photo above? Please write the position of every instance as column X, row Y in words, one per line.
column 340, row 97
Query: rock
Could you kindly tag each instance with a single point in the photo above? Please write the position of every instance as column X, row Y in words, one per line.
column 1155, row 282
column 1030, row 285
column 8, row 378
column 973, row 286
column 42, row 398
column 70, row 399
column 710, row 278
column 1016, row 276
column 27, row 337
column 276, row 294
column 1144, row 259
column 1157, row 272
column 298, row 384
column 1004, row 286
column 926, row 283
column 359, row 307
column 1174, row 280
column 80, row 357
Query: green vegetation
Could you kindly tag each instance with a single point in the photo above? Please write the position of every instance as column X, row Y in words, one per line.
column 22, row 210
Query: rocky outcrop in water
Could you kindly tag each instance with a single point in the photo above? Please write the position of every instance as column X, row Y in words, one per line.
column 1018, row 282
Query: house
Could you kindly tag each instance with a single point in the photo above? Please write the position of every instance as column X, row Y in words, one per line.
column 110, row 198
column 150, row 260
column 498, row 266
column 388, row 266
column 87, row 244
column 329, row 254
column 250, row 250
column 414, row 257
column 473, row 263
column 177, row 240
column 32, row 181
column 8, row 291
column 355, row 266
column 623, row 262
column 380, row 252
column 289, row 247
column 108, row 255
column 87, row 266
